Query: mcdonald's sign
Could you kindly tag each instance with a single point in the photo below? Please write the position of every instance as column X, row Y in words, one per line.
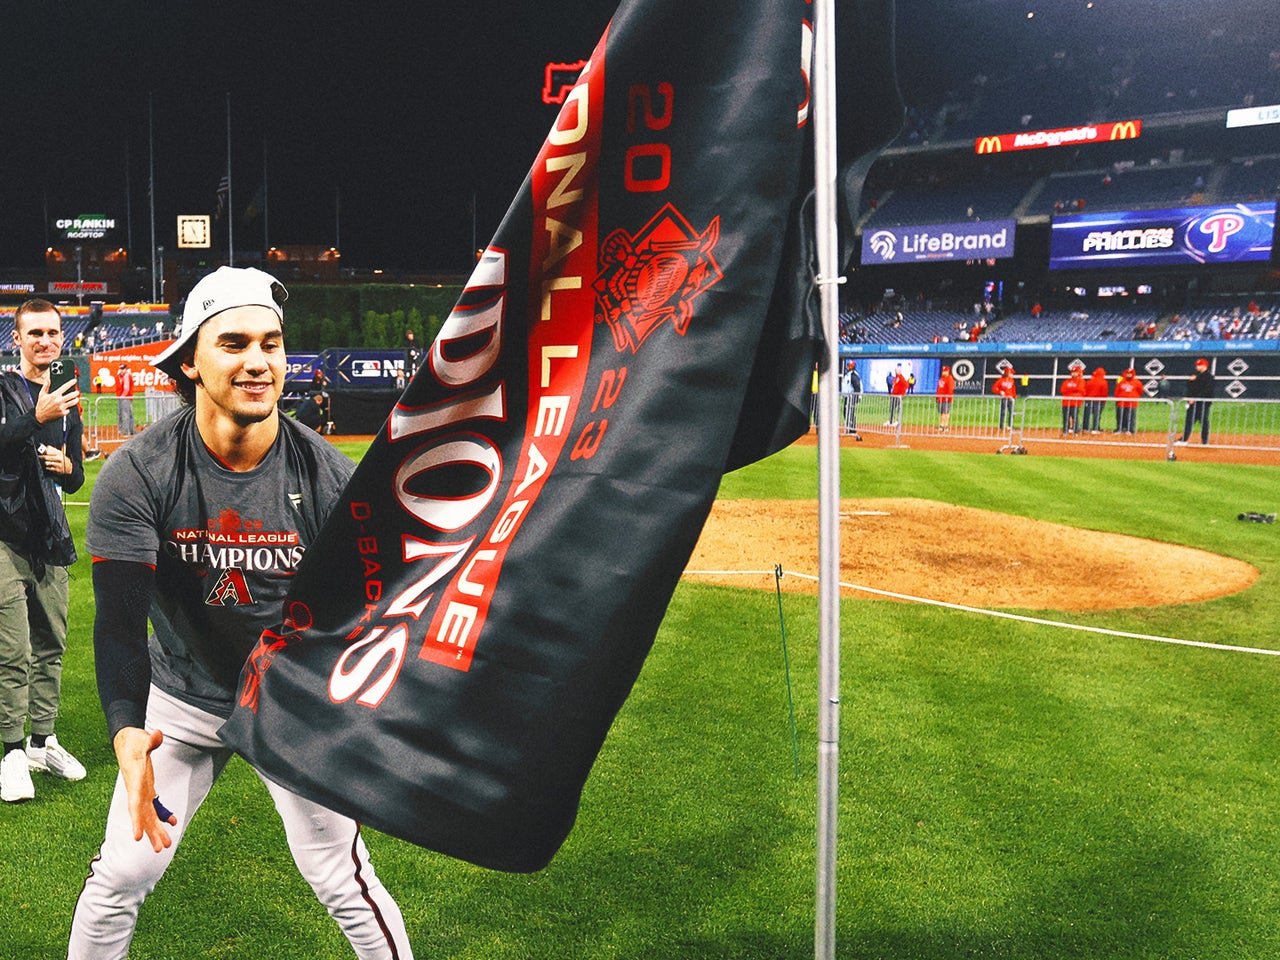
column 1126, row 130
column 1066, row 136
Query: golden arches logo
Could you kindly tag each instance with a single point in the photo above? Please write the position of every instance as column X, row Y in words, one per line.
column 989, row 145
column 1125, row 130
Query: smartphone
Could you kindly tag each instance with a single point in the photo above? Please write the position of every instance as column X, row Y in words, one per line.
column 61, row 371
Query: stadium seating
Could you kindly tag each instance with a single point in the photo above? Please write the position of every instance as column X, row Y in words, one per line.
column 1174, row 185
column 991, row 199
column 126, row 329
column 1252, row 179
column 1228, row 320
column 1081, row 324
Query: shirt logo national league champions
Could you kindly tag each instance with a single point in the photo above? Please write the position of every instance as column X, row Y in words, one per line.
column 231, row 546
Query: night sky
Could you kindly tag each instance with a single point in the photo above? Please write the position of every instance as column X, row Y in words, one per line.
column 379, row 121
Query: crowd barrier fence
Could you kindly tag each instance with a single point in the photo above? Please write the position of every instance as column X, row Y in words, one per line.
column 106, row 419
column 1154, row 423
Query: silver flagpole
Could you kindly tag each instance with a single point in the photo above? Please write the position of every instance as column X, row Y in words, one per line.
column 824, row 134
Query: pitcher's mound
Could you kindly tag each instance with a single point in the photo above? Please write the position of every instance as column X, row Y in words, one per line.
column 960, row 555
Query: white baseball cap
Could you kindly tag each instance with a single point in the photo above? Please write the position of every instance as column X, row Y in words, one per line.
column 225, row 288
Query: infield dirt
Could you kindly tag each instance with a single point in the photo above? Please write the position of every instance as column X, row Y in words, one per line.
column 921, row 548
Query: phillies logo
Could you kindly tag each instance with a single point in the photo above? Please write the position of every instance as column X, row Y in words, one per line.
column 654, row 276
column 1220, row 227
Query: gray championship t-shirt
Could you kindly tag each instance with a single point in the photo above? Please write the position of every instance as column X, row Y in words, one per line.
column 225, row 545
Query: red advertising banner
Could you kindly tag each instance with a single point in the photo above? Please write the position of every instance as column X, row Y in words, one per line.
column 105, row 366
column 1063, row 137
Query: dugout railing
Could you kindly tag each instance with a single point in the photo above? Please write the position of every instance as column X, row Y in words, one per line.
column 1155, row 422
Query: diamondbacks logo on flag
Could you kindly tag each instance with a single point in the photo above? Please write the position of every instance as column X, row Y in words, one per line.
column 480, row 601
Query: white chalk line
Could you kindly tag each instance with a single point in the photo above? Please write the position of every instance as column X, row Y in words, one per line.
column 999, row 613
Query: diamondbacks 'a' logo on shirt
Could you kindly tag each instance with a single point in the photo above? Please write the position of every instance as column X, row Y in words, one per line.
column 230, row 590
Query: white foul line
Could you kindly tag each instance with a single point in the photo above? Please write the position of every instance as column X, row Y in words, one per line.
column 1006, row 616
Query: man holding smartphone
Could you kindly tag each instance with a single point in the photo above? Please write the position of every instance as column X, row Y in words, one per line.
column 40, row 452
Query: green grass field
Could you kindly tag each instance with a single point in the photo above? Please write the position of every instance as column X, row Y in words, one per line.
column 1007, row 790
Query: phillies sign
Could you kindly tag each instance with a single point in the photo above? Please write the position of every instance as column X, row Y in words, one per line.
column 1175, row 236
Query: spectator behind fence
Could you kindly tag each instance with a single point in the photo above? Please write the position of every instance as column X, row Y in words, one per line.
column 1128, row 391
column 897, row 384
column 944, row 395
column 1006, row 388
column 851, row 388
column 40, row 451
column 1096, row 391
column 1072, row 393
column 1199, row 393
column 124, row 400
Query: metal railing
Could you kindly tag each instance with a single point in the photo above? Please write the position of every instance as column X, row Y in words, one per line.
column 106, row 419
column 970, row 417
column 1155, row 422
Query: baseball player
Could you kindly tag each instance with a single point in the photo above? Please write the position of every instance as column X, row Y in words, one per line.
column 199, row 523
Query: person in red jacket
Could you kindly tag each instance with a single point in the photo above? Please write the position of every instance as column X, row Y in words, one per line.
column 897, row 390
column 1096, row 391
column 1006, row 388
column 1072, row 392
column 1128, row 390
column 944, row 396
column 124, row 400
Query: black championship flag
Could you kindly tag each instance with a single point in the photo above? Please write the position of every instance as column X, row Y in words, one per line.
column 476, row 610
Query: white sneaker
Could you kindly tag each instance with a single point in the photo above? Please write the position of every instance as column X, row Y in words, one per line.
column 54, row 758
column 15, row 778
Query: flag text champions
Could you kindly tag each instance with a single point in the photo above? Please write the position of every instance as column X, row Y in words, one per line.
column 438, row 618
